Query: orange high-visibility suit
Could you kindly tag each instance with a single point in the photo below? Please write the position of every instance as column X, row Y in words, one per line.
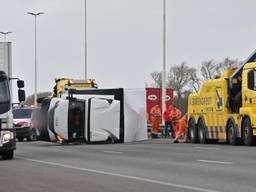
column 182, row 127
column 155, row 117
column 175, row 116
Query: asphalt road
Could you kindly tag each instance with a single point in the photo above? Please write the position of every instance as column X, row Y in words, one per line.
column 154, row 165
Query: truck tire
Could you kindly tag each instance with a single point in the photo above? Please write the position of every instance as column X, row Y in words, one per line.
column 201, row 132
column 32, row 136
column 20, row 139
column 232, row 134
column 248, row 137
column 192, row 131
column 7, row 155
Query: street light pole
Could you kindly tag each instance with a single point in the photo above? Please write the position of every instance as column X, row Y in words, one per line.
column 5, row 33
column 164, row 59
column 85, row 39
column 35, row 15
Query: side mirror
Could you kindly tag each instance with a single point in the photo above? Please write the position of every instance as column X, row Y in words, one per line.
column 22, row 95
column 3, row 75
column 20, row 84
column 250, row 80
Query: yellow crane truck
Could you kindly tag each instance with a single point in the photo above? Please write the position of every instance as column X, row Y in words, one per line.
column 63, row 84
column 225, row 108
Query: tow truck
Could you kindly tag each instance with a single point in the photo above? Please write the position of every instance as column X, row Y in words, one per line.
column 225, row 107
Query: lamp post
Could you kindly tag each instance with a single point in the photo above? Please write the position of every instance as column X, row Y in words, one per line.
column 164, row 59
column 5, row 33
column 35, row 16
column 85, row 39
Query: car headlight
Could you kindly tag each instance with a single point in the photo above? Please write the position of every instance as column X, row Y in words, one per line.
column 7, row 137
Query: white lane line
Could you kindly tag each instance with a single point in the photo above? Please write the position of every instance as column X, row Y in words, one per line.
column 114, row 152
column 188, row 187
column 207, row 148
column 216, row 162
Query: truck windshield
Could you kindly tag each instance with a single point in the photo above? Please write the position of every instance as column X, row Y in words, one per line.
column 5, row 104
column 4, row 91
column 22, row 113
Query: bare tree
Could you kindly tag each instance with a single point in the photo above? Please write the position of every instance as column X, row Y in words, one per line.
column 227, row 64
column 157, row 78
column 179, row 77
column 209, row 69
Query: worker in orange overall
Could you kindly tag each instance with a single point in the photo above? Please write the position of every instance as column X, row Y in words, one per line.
column 155, row 118
column 175, row 116
column 182, row 129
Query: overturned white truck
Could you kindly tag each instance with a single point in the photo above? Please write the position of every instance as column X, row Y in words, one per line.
column 101, row 115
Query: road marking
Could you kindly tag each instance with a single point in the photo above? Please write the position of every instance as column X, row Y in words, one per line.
column 216, row 162
column 188, row 187
column 207, row 148
column 114, row 152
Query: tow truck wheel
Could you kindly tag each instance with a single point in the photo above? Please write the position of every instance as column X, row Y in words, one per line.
column 248, row 137
column 232, row 134
column 201, row 132
column 7, row 155
column 192, row 131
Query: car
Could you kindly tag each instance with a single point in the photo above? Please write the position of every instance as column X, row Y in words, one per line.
column 23, row 124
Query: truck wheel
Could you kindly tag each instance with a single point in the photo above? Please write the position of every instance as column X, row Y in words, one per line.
column 248, row 137
column 7, row 155
column 192, row 131
column 20, row 139
column 32, row 136
column 201, row 132
column 232, row 134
